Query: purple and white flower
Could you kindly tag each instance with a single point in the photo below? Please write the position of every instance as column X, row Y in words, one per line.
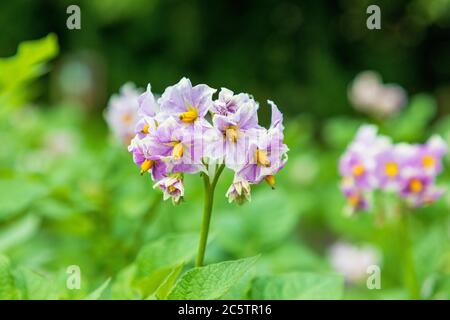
column 372, row 162
column 122, row 112
column 172, row 188
column 185, row 131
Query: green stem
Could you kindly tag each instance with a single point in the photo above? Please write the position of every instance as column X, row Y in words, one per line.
column 409, row 270
column 207, row 211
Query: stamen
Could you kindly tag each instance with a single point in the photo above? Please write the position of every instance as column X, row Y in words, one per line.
column 146, row 165
column 177, row 151
column 358, row 170
column 415, row 185
column 262, row 159
column 391, row 169
column 354, row 200
column 231, row 133
column 145, row 129
column 189, row 116
column 428, row 161
column 271, row 181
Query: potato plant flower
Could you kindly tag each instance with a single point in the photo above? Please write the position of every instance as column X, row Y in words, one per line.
column 121, row 113
column 186, row 131
column 372, row 162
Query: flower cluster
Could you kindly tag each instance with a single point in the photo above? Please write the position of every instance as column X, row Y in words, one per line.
column 368, row 94
column 373, row 162
column 186, row 131
column 122, row 112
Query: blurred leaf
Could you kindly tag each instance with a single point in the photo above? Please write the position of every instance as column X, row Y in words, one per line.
column 18, row 232
column 8, row 290
column 164, row 289
column 245, row 229
column 97, row 293
column 211, row 281
column 158, row 260
column 338, row 132
column 122, row 288
column 17, row 195
column 27, row 64
column 410, row 125
column 36, row 286
column 297, row 286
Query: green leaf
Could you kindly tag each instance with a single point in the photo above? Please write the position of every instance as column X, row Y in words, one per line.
column 211, row 281
column 243, row 230
column 297, row 286
column 8, row 289
column 157, row 260
column 122, row 288
column 26, row 65
column 97, row 293
column 36, row 286
column 18, row 232
column 419, row 112
column 17, row 195
column 164, row 289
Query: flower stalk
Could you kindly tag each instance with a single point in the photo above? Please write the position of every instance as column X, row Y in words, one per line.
column 209, row 186
column 409, row 271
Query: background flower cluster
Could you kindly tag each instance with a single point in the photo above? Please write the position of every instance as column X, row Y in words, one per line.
column 373, row 162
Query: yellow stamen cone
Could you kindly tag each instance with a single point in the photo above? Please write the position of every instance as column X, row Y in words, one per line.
column 189, row 116
column 146, row 165
column 271, row 181
column 177, row 151
column 262, row 159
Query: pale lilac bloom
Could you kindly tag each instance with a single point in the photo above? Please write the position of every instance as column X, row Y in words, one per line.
column 234, row 135
column 172, row 188
column 359, row 159
column 368, row 94
column 239, row 191
column 188, row 104
column 390, row 164
column 144, row 126
column 357, row 199
column 121, row 113
column 267, row 154
column 176, row 145
column 147, row 103
column 352, row 261
column 429, row 155
column 229, row 103
column 145, row 160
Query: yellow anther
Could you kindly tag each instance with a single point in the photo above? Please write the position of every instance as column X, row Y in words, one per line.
column 171, row 188
column 415, row 185
column 177, row 151
column 391, row 169
column 358, row 170
column 261, row 158
column 145, row 129
column 428, row 161
column 271, row 181
column 231, row 133
column 354, row 200
column 146, row 165
column 189, row 116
